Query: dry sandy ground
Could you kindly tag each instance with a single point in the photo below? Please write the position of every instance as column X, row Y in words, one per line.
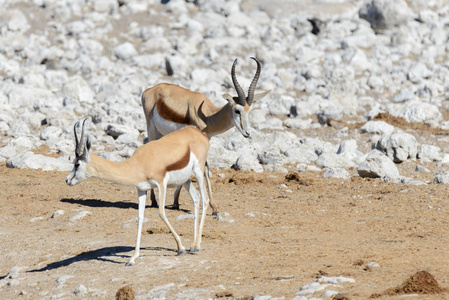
column 279, row 240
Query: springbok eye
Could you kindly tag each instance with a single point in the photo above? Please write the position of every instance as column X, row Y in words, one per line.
column 77, row 165
column 237, row 111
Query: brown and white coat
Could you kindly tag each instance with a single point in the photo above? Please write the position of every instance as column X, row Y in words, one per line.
column 167, row 162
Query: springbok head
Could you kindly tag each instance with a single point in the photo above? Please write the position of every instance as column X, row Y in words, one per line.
column 79, row 172
column 241, row 105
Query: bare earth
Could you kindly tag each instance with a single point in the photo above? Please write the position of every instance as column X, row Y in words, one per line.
column 273, row 241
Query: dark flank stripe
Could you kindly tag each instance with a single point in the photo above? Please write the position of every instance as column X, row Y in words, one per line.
column 180, row 164
column 168, row 114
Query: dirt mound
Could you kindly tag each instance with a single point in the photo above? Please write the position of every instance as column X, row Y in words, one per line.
column 420, row 283
column 404, row 124
column 125, row 293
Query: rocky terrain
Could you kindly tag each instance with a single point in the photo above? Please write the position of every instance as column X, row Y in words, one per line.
column 358, row 90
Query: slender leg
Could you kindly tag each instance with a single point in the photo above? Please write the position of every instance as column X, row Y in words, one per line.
column 176, row 197
column 152, row 135
column 151, row 131
column 196, row 203
column 214, row 207
column 162, row 195
column 205, row 204
column 142, row 200
column 153, row 198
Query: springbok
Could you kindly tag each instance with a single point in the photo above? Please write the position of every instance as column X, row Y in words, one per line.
column 167, row 162
column 168, row 107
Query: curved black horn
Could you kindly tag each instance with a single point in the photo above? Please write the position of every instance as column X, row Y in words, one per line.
column 80, row 143
column 252, row 86
column 77, row 150
column 238, row 88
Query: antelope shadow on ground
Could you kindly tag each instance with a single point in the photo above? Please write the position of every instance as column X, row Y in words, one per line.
column 106, row 254
column 117, row 204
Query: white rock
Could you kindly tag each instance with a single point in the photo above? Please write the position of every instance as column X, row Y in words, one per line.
column 419, row 72
column 78, row 89
column 271, row 157
column 107, row 6
column 333, row 160
column 62, row 279
column 18, row 128
column 348, row 149
column 385, row 14
column 177, row 7
column 305, row 167
column 248, row 162
column 14, row 20
column 430, row 152
column 377, row 127
column 420, row 112
column 373, row 264
column 404, row 95
column 330, row 113
column 272, row 123
column 301, row 154
column 335, row 280
column 398, row 147
column 130, row 139
column 294, row 123
column 442, row 177
column 311, row 288
column 22, row 144
column 4, row 126
column 116, row 130
column 58, row 213
column 77, row 27
column 219, row 157
column 32, row 220
column 50, row 132
column 428, row 16
column 377, row 164
column 329, row 294
column 33, row 161
column 337, row 173
column 26, row 96
column 375, row 82
column 420, row 168
column 80, row 290
column 79, row 216
column 7, row 152
column 125, row 51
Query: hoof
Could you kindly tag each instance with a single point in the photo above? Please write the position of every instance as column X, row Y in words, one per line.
column 181, row 251
column 217, row 216
column 129, row 264
column 194, row 250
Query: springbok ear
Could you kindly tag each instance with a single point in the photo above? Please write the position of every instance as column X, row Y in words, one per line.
column 87, row 146
column 229, row 98
column 261, row 95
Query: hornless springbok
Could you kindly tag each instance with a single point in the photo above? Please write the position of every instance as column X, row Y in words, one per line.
column 169, row 107
column 167, row 162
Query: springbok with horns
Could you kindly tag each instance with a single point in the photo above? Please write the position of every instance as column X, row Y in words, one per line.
column 167, row 162
column 169, row 107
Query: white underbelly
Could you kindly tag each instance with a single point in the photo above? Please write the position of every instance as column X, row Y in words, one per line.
column 178, row 177
column 173, row 178
column 164, row 126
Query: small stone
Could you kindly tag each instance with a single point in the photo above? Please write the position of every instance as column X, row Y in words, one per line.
column 80, row 290
column 58, row 213
column 36, row 219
